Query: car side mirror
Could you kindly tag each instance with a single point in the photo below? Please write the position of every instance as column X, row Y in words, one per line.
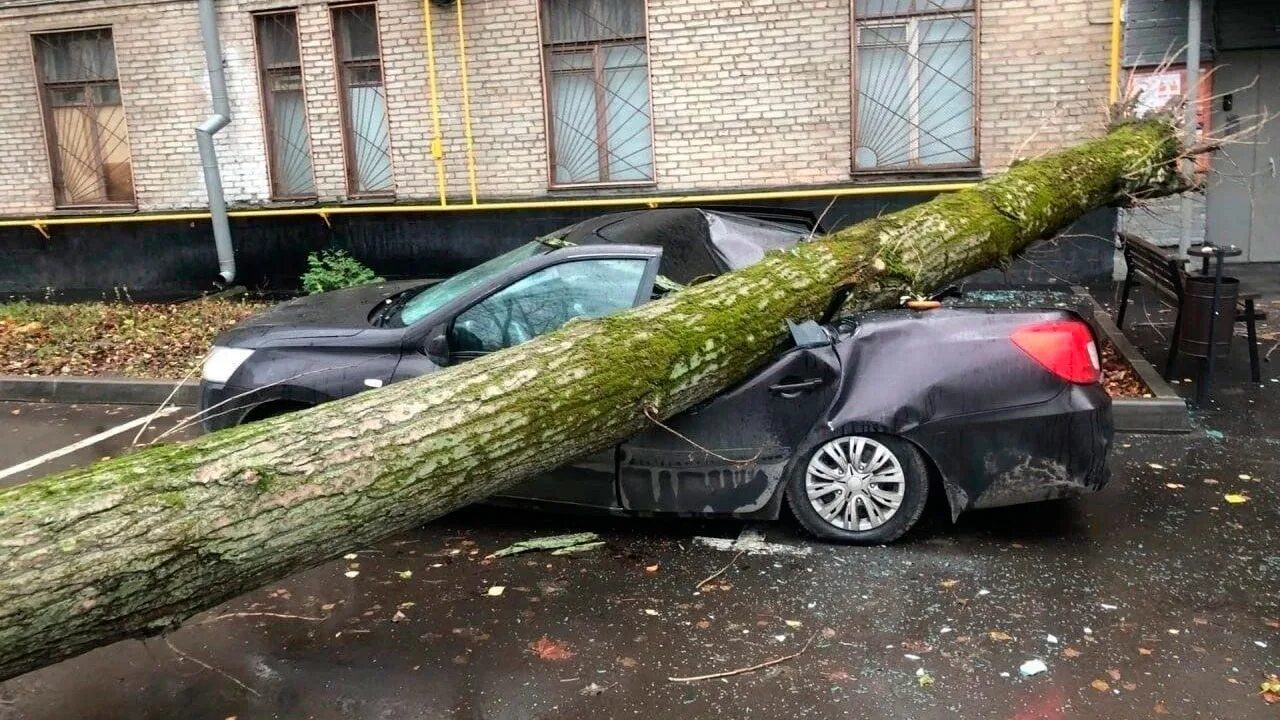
column 437, row 346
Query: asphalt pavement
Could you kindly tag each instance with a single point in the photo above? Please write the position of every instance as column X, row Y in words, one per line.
column 1156, row 597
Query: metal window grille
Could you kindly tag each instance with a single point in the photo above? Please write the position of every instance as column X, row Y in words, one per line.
column 596, row 58
column 915, row 99
column 366, row 127
column 88, row 141
column 284, row 105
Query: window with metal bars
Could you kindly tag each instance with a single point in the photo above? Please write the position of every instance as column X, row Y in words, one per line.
column 284, row 105
column 597, row 76
column 366, row 128
column 88, row 141
column 915, row 99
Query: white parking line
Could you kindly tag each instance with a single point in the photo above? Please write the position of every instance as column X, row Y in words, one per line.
column 112, row 432
column 751, row 541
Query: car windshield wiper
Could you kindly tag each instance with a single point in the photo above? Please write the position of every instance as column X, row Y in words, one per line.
column 394, row 304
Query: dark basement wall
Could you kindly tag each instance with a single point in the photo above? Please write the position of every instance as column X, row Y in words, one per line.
column 176, row 259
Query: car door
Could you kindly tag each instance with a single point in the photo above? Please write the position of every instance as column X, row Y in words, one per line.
column 744, row 438
column 591, row 285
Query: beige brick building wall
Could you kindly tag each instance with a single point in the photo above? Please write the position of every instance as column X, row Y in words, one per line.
column 745, row 94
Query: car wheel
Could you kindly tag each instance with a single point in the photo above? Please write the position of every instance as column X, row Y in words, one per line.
column 865, row 489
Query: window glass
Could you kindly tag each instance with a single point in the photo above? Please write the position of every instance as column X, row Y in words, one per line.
column 546, row 300
column 915, row 85
column 598, row 83
column 85, row 126
column 366, row 123
column 284, row 105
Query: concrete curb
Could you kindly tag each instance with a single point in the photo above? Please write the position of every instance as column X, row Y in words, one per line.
column 103, row 391
column 1164, row 413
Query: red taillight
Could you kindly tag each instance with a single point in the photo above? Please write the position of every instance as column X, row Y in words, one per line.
column 1064, row 347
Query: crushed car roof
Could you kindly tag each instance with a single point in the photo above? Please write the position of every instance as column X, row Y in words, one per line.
column 695, row 241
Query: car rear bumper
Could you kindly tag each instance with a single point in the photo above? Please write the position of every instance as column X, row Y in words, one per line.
column 1049, row 450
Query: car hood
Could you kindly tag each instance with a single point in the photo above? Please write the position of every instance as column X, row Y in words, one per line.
column 333, row 314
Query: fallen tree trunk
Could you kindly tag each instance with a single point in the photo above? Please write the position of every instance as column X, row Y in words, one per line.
column 132, row 546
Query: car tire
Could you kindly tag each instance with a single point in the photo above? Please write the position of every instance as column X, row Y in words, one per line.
column 901, row 473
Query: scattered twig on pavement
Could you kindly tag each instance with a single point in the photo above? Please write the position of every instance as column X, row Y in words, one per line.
column 207, row 666
column 753, row 668
column 719, row 572
column 261, row 614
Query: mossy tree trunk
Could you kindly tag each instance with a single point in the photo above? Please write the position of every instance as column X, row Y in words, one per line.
column 132, row 546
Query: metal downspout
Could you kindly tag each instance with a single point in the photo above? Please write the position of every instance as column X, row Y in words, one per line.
column 205, row 131
column 1193, row 103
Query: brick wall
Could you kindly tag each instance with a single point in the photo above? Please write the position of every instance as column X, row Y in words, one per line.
column 745, row 94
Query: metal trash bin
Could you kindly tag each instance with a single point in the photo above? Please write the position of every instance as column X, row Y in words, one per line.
column 1197, row 304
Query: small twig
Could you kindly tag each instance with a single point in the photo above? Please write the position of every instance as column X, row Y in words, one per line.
column 207, row 666
column 648, row 412
column 818, row 222
column 753, row 668
column 719, row 572
column 261, row 614
column 176, row 387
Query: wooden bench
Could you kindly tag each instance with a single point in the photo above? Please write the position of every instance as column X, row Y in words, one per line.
column 1166, row 274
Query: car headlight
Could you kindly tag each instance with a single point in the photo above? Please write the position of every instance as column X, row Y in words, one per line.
column 222, row 362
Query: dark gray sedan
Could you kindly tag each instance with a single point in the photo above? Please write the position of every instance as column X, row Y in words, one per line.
column 852, row 426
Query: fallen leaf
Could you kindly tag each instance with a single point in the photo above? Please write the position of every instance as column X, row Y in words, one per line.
column 1114, row 673
column 1155, row 466
column 651, row 568
column 405, row 574
column 1200, row 621
column 1100, row 685
column 591, row 690
column 827, row 633
column 1160, row 709
column 650, row 611
column 1144, row 651
column 1174, row 486
column 793, row 623
column 1245, row 477
column 948, row 584
column 924, row 679
column 547, row 649
column 627, row 662
column 1210, row 481
column 1272, row 624
column 702, row 624
column 1130, row 686
column 1271, row 684
column 1235, row 498
column 351, row 573
column 398, row 617
column 999, row 636
column 1071, row 652
column 837, row 676
column 497, row 590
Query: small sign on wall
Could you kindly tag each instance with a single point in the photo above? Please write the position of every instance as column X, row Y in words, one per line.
column 1162, row 89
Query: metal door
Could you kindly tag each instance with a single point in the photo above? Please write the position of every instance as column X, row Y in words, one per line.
column 1243, row 195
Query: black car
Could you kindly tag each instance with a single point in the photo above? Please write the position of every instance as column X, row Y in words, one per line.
column 852, row 426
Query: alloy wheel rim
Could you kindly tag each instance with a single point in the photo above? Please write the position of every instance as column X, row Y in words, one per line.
column 855, row 483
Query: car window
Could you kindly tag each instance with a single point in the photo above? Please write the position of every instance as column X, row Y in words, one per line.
column 545, row 300
column 436, row 296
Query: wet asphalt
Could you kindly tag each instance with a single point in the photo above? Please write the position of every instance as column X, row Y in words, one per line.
column 1154, row 598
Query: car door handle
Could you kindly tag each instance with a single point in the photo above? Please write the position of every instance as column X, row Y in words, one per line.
column 795, row 388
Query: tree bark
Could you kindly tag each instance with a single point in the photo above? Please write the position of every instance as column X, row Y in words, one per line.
column 132, row 546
